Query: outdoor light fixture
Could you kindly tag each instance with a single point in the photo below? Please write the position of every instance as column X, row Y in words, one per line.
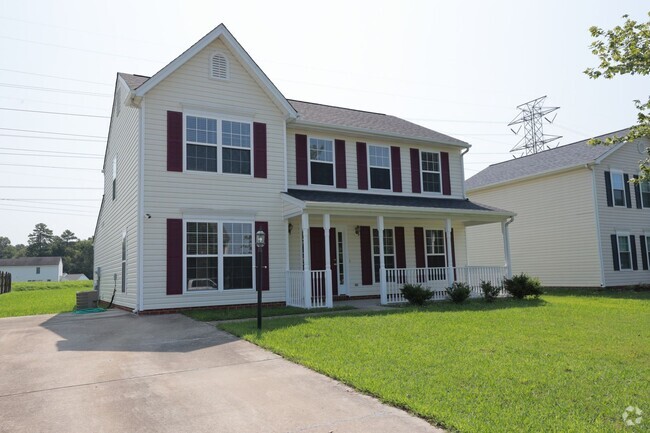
column 260, row 241
column 290, row 228
column 356, row 230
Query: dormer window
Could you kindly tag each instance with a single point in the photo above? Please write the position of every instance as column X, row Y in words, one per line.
column 219, row 66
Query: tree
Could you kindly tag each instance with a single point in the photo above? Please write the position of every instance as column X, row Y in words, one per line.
column 80, row 258
column 6, row 249
column 67, row 236
column 625, row 50
column 39, row 241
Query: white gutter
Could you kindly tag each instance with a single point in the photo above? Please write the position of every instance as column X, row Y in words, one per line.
column 140, row 223
column 597, row 221
column 506, row 235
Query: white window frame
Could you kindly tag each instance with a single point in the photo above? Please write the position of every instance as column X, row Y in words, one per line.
column 219, row 145
column 376, row 257
column 333, row 162
column 647, row 186
column 210, row 74
column 426, row 246
column 618, row 247
column 618, row 173
column 390, row 168
column 38, row 270
column 422, row 171
column 220, row 255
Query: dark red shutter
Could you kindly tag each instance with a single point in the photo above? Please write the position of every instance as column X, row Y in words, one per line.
column 615, row 252
column 608, row 187
column 174, row 257
column 415, row 170
column 446, row 178
column 396, row 168
column 341, row 176
column 366, row 255
column 400, row 248
column 174, row 141
column 301, row 160
column 420, row 260
column 362, row 166
column 635, row 265
column 637, row 193
column 259, row 149
column 264, row 284
column 644, row 252
column 628, row 195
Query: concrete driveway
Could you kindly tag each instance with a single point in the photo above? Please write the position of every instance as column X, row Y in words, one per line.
column 115, row 372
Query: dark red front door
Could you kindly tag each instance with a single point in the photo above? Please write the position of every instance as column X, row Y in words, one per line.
column 317, row 252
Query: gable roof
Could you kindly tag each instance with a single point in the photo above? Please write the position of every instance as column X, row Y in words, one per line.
column 31, row 261
column 548, row 161
column 247, row 62
column 313, row 114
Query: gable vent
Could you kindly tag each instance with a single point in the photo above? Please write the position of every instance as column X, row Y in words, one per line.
column 219, row 67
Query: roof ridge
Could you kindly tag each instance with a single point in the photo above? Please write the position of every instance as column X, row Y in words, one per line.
column 336, row 106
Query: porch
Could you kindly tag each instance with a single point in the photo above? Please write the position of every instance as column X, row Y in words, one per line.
column 335, row 247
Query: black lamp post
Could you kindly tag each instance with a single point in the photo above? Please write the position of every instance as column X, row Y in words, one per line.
column 260, row 241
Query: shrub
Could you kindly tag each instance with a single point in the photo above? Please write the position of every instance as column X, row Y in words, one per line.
column 416, row 294
column 458, row 292
column 490, row 292
column 521, row 286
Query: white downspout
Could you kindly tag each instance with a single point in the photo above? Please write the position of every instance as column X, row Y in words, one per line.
column 462, row 168
column 506, row 245
column 140, row 225
column 597, row 220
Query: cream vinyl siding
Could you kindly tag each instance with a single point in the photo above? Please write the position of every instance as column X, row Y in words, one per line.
column 229, row 196
column 119, row 215
column 612, row 219
column 455, row 166
column 347, row 225
column 553, row 236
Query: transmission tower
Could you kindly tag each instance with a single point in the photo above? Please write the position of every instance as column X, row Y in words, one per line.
column 531, row 119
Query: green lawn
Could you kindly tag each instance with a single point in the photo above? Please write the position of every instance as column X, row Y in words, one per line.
column 26, row 299
column 562, row 363
column 247, row 313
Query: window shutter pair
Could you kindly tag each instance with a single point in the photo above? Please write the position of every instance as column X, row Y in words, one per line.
column 444, row 172
column 175, row 256
column 628, row 194
column 302, row 162
column 395, row 167
column 366, row 252
column 175, row 145
column 420, row 248
column 635, row 266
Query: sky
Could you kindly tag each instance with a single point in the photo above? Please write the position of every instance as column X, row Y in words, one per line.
column 460, row 68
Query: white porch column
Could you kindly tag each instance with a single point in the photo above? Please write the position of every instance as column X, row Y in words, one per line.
column 329, row 300
column 383, row 294
column 506, row 248
column 450, row 257
column 305, row 258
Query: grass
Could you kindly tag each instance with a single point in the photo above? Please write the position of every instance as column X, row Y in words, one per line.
column 562, row 363
column 26, row 299
column 247, row 313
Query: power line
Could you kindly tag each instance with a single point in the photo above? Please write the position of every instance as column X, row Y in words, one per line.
column 54, row 199
column 52, row 138
column 48, row 187
column 49, row 156
column 54, row 152
column 39, row 207
column 48, row 212
column 51, row 132
column 39, row 203
column 52, row 89
column 50, row 166
column 54, row 112
column 54, row 76
column 41, row 101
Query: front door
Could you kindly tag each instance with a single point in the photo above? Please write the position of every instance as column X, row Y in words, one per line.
column 317, row 253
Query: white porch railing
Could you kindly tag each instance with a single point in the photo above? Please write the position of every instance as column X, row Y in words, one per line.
column 435, row 279
column 298, row 295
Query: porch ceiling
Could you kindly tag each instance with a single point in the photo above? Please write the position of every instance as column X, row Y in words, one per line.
column 401, row 206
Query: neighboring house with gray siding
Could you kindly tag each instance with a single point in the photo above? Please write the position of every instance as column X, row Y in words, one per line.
column 579, row 223
column 33, row 268
column 207, row 152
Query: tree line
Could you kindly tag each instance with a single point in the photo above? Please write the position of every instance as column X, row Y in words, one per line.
column 77, row 254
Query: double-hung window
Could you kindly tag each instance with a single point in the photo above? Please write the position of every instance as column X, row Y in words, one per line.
column 379, row 167
column 210, row 140
column 321, row 161
column 389, row 251
column 219, row 255
column 435, row 245
column 618, row 188
column 645, row 194
column 624, row 252
column 431, row 180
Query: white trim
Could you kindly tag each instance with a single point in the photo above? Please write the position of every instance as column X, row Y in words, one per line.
column 599, row 240
column 390, row 167
column 286, row 155
column 641, row 191
column 309, row 161
column 140, row 220
column 624, row 234
column 222, row 32
column 613, row 172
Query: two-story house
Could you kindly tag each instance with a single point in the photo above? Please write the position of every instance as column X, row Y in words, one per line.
column 580, row 223
column 207, row 152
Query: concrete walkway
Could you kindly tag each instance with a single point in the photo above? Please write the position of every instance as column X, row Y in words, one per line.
column 115, row 372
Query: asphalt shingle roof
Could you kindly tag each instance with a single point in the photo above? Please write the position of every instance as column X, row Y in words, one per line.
column 388, row 200
column 347, row 118
column 570, row 155
column 31, row 261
